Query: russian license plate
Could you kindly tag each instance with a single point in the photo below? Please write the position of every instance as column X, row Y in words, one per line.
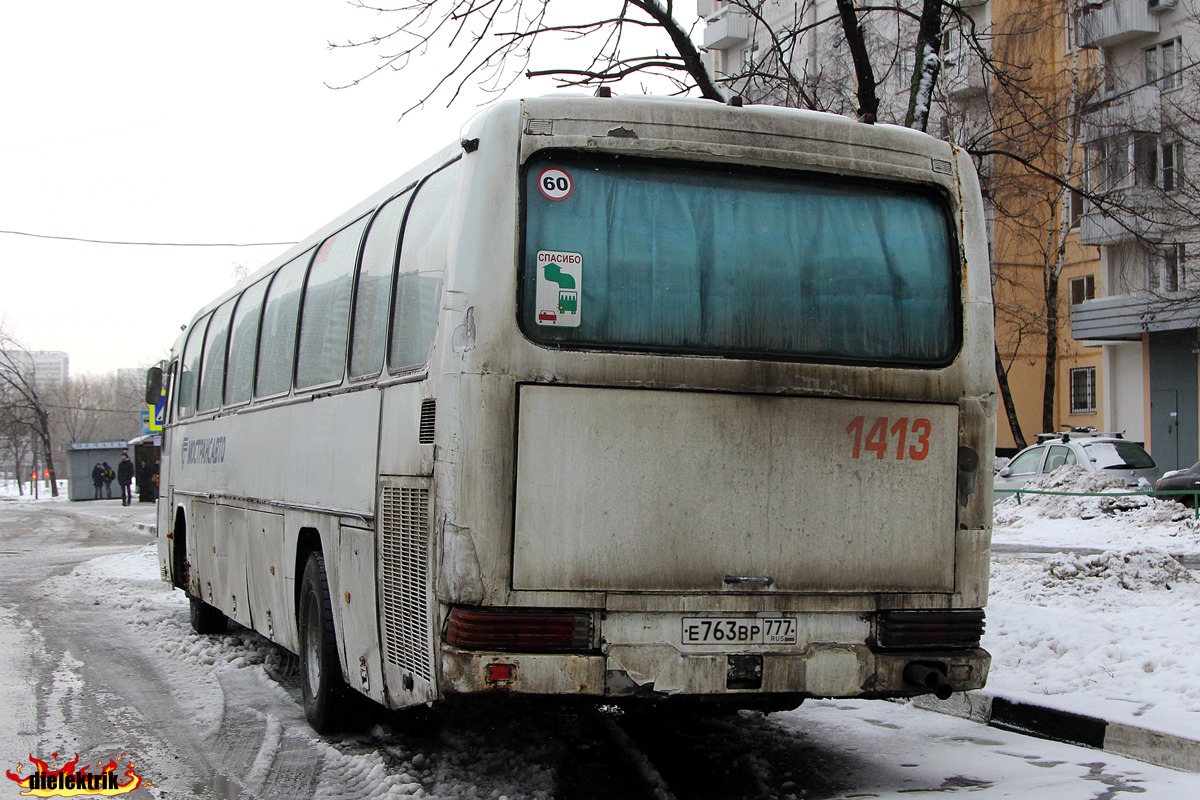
column 739, row 630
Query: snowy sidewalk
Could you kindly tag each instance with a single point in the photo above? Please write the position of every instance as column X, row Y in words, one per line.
column 1101, row 650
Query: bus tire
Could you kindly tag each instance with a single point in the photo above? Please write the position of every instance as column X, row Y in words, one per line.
column 321, row 683
column 206, row 619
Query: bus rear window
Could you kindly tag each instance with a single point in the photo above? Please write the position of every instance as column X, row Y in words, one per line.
column 654, row 256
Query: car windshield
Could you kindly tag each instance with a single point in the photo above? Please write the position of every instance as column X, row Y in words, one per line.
column 1118, row 455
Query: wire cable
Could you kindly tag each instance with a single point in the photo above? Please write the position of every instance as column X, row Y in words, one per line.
column 146, row 244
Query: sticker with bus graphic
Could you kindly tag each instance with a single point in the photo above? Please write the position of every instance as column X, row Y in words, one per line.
column 558, row 288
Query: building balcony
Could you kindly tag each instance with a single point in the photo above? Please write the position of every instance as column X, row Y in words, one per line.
column 1132, row 214
column 963, row 75
column 1128, row 316
column 1138, row 109
column 1117, row 21
column 727, row 28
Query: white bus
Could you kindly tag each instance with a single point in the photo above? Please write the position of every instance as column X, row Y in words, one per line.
column 624, row 398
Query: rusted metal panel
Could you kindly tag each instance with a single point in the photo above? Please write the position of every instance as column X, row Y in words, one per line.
column 464, row 671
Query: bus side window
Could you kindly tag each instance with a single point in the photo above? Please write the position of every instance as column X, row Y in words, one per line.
column 212, row 367
column 325, row 317
column 243, row 341
column 277, row 342
column 373, row 292
column 188, row 385
column 419, row 273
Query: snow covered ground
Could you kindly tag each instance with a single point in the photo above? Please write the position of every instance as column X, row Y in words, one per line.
column 1112, row 635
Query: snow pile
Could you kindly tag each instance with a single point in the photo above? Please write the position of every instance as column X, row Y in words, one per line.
column 1074, row 480
column 1110, row 519
column 1146, row 569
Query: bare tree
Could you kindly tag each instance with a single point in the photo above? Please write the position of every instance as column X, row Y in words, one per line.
column 94, row 408
column 15, row 440
column 881, row 60
column 495, row 42
column 23, row 401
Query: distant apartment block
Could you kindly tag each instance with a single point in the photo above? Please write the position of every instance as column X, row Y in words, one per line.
column 51, row 368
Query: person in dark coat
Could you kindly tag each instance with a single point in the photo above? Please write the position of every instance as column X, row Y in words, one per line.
column 109, row 477
column 125, row 478
column 97, row 479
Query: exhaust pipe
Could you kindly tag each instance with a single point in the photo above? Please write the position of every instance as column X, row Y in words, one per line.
column 929, row 677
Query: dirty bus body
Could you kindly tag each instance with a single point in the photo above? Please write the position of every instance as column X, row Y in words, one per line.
column 655, row 399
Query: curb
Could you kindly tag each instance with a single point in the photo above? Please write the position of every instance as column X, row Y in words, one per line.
column 1154, row 747
column 149, row 527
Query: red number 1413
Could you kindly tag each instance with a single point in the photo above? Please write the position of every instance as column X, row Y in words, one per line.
column 891, row 436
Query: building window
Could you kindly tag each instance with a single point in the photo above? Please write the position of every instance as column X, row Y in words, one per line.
column 749, row 58
column 1108, row 164
column 1082, row 289
column 1145, row 160
column 1076, row 207
column 1171, row 161
column 1162, row 65
column 1083, row 390
column 1173, row 265
column 1166, row 271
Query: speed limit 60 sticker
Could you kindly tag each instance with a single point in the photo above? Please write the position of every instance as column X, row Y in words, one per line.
column 555, row 183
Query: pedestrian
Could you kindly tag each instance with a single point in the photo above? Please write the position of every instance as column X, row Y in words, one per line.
column 157, row 470
column 109, row 476
column 97, row 479
column 125, row 478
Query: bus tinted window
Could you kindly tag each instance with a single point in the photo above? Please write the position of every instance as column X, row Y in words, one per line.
column 653, row 256
column 188, row 383
column 419, row 274
column 374, row 289
column 277, row 345
column 243, row 341
column 212, row 372
column 325, row 321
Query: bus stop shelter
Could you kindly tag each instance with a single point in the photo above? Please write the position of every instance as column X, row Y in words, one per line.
column 81, row 457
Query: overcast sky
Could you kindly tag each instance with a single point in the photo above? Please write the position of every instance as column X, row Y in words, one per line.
column 164, row 121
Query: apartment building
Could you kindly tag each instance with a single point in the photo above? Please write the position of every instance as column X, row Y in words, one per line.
column 49, row 368
column 1140, row 135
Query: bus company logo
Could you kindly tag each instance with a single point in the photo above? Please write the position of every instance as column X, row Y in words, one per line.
column 68, row 781
column 210, row 450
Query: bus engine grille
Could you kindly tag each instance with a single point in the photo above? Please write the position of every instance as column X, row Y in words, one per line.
column 405, row 568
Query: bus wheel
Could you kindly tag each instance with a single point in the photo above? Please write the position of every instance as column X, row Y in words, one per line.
column 206, row 619
column 321, row 682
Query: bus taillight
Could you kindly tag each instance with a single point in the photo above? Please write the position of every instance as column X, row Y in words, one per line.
column 518, row 630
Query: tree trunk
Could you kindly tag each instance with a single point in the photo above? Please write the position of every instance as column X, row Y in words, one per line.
column 1048, row 387
column 1010, row 407
column 868, row 103
column 47, row 449
column 684, row 45
column 928, row 65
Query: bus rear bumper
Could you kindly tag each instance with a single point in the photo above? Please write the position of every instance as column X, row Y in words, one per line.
column 835, row 670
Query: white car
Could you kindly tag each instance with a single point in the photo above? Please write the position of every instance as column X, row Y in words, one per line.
column 1093, row 451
